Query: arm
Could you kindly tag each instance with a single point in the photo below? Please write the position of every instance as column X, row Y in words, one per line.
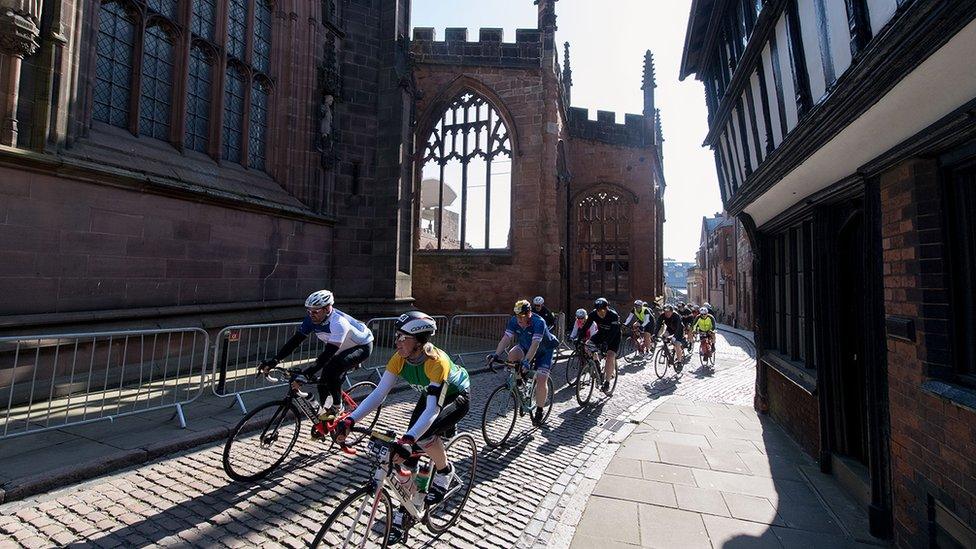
column 504, row 343
column 290, row 346
column 572, row 335
column 532, row 349
column 629, row 318
column 436, row 392
column 376, row 397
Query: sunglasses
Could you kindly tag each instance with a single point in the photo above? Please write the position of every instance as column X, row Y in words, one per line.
column 400, row 338
column 315, row 311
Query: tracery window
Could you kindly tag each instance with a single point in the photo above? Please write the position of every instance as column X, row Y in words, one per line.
column 466, row 183
column 603, row 244
column 113, row 64
column 173, row 37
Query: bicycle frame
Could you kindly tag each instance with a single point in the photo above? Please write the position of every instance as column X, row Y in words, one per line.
column 523, row 395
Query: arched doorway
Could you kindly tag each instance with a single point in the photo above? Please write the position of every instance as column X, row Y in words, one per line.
column 602, row 246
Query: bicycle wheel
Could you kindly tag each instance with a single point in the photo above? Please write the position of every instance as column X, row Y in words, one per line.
column 499, row 416
column 249, row 457
column 353, row 397
column 585, row 381
column 362, row 520
column 572, row 368
column 462, row 452
column 661, row 363
column 627, row 350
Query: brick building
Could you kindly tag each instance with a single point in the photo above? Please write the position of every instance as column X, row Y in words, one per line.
column 845, row 143
column 550, row 202
column 167, row 162
column 724, row 271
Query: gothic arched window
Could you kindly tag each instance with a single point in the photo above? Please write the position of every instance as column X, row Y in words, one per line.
column 466, row 182
column 113, row 64
column 156, row 99
column 603, row 244
column 203, row 18
column 262, row 36
column 259, row 125
column 198, row 90
column 237, row 28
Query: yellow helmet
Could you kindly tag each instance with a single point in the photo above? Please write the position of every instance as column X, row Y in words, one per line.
column 522, row 306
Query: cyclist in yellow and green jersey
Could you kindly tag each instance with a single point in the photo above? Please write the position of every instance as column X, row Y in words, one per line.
column 706, row 325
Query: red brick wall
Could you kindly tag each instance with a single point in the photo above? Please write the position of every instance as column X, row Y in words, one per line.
column 933, row 439
column 71, row 246
column 795, row 410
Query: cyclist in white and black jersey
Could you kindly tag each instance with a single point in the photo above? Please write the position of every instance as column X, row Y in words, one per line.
column 607, row 322
column 349, row 343
column 644, row 318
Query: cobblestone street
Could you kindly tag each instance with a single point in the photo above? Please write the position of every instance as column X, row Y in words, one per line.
column 521, row 493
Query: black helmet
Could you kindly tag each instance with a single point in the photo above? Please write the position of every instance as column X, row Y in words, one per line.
column 417, row 324
column 601, row 303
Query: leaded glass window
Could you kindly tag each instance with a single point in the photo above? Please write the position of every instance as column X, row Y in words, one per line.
column 258, row 131
column 237, row 28
column 262, row 36
column 203, row 19
column 603, row 244
column 233, row 113
column 113, row 65
column 466, row 185
column 156, row 101
column 166, row 8
column 199, row 85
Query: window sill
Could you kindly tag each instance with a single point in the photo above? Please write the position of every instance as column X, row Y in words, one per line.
column 464, row 253
column 963, row 397
column 793, row 371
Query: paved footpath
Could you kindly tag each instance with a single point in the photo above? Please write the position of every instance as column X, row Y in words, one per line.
column 526, row 494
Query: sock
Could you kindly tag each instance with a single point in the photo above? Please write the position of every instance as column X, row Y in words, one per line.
column 445, row 470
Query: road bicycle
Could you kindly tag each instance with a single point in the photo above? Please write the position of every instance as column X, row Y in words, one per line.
column 510, row 401
column 248, row 458
column 664, row 357
column 365, row 517
column 633, row 349
column 574, row 362
column 591, row 374
column 706, row 349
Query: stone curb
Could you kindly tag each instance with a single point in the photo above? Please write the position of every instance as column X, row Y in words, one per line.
column 557, row 525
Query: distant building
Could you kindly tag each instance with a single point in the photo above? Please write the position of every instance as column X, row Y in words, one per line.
column 723, row 274
column 676, row 273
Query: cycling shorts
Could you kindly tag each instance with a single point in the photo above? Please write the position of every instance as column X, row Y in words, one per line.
column 542, row 362
column 604, row 338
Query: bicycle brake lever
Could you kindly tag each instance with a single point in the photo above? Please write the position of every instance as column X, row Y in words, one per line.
column 301, row 394
column 268, row 377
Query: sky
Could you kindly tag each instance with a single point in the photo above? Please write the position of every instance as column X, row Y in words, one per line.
column 607, row 40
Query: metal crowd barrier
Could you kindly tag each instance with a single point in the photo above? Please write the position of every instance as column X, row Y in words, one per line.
column 471, row 337
column 52, row 381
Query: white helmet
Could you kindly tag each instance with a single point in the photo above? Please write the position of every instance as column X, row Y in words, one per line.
column 703, row 311
column 638, row 303
column 318, row 299
column 537, row 300
column 418, row 324
column 580, row 313
column 706, row 305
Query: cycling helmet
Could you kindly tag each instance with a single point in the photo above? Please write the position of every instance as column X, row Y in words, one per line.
column 638, row 303
column 601, row 303
column 669, row 307
column 703, row 311
column 321, row 298
column 580, row 313
column 417, row 324
column 706, row 305
column 522, row 306
column 537, row 300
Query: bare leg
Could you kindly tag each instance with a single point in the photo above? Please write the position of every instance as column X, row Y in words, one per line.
column 435, row 449
column 541, row 388
column 610, row 366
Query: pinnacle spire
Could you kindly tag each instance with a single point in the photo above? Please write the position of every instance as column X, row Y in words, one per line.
column 649, row 84
column 567, row 75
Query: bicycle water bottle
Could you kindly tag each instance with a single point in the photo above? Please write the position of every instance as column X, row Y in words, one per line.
column 423, row 478
column 403, row 476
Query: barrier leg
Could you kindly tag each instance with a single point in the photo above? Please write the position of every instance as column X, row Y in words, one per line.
column 240, row 403
column 180, row 416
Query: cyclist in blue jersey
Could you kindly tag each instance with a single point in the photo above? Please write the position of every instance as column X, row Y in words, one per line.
column 348, row 343
column 534, row 345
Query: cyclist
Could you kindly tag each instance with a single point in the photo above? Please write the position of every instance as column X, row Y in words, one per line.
column 670, row 322
column 444, row 388
column 534, row 344
column 705, row 324
column 348, row 343
column 642, row 318
column 539, row 308
column 687, row 319
column 607, row 322
column 580, row 319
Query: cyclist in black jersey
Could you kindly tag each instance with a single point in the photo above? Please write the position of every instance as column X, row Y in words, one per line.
column 539, row 308
column 670, row 322
column 608, row 333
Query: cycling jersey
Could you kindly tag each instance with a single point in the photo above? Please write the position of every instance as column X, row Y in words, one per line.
column 338, row 329
column 705, row 323
column 546, row 315
column 610, row 323
column 578, row 325
column 535, row 331
column 434, row 370
column 643, row 316
column 673, row 324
